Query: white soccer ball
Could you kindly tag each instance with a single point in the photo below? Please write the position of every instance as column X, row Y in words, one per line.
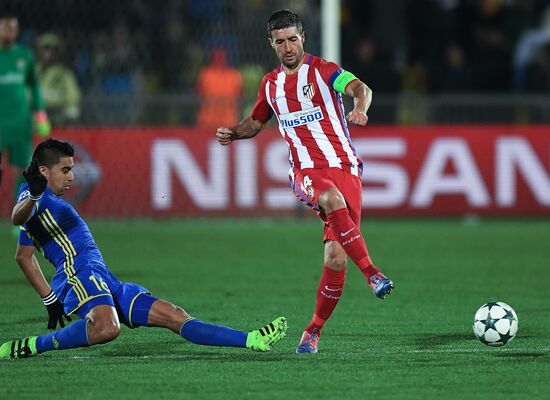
column 495, row 323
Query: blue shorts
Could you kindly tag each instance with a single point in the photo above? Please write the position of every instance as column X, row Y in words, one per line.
column 95, row 285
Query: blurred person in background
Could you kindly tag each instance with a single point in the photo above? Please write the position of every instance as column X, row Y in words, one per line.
column 219, row 87
column 58, row 83
column 252, row 75
column 455, row 72
column 305, row 93
column 537, row 79
column 18, row 80
column 489, row 48
column 180, row 59
column 527, row 51
column 117, row 72
column 373, row 65
column 412, row 107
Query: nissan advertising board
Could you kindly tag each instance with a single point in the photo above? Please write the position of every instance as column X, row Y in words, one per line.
column 409, row 171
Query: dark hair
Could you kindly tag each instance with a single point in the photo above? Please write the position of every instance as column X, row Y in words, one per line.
column 284, row 19
column 50, row 151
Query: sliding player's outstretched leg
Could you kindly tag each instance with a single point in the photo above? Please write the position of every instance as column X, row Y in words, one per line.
column 167, row 315
column 100, row 325
column 20, row 348
column 262, row 339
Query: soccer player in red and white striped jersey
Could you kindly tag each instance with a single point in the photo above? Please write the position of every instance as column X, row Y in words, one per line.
column 305, row 95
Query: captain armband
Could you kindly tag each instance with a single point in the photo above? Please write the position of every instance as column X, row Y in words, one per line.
column 342, row 81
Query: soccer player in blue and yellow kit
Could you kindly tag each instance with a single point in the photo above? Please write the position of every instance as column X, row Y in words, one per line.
column 83, row 284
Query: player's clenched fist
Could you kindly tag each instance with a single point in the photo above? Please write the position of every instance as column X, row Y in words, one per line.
column 37, row 182
column 225, row 136
column 357, row 118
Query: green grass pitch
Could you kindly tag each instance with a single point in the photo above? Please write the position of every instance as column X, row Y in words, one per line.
column 416, row 344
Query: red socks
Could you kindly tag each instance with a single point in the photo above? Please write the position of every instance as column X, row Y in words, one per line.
column 332, row 282
column 328, row 293
column 351, row 239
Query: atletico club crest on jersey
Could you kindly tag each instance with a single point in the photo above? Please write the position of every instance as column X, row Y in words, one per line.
column 308, row 91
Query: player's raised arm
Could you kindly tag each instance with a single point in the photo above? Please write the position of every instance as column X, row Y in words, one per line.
column 362, row 99
column 248, row 128
column 23, row 210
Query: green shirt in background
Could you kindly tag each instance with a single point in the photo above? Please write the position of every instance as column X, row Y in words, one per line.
column 18, row 80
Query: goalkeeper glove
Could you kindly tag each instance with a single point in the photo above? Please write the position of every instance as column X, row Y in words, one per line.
column 42, row 124
column 37, row 182
column 55, row 311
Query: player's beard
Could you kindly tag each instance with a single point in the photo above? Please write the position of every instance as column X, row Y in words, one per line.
column 293, row 64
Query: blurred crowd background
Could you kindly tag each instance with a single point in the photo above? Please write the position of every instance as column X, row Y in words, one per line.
column 186, row 62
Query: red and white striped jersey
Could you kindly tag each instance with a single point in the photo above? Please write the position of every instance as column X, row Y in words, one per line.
column 311, row 115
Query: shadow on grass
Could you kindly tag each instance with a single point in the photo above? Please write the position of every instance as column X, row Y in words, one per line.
column 522, row 354
column 32, row 320
column 221, row 356
column 425, row 341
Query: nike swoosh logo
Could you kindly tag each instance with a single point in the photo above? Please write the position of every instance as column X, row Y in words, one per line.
column 332, row 290
column 346, row 232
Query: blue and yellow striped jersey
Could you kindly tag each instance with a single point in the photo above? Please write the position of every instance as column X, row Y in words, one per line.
column 59, row 232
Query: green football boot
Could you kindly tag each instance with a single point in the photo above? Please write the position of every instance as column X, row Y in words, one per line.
column 21, row 348
column 262, row 339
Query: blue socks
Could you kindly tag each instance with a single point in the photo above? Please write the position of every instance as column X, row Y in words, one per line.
column 74, row 335
column 195, row 331
column 199, row 332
